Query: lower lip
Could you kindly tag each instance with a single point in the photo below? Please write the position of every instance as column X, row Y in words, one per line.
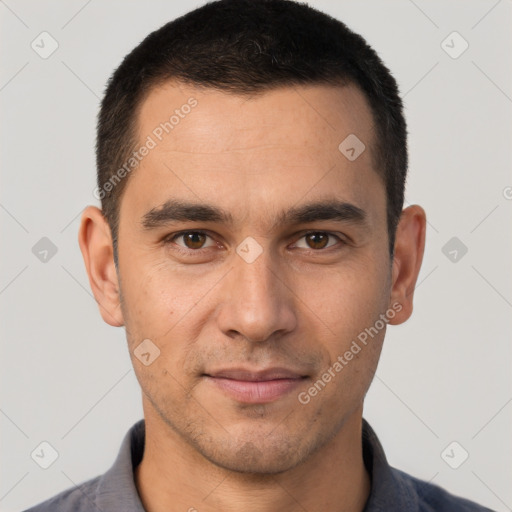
column 256, row 392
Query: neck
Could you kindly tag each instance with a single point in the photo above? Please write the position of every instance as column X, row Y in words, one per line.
column 173, row 477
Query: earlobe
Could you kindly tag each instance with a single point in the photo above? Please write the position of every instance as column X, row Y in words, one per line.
column 95, row 242
column 409, row 249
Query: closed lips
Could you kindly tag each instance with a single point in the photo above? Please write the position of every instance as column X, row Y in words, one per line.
column 256, row 376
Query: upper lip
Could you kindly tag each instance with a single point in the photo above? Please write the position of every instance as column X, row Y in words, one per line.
column 256, row 375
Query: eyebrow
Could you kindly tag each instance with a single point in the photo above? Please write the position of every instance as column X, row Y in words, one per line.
column 179, row 211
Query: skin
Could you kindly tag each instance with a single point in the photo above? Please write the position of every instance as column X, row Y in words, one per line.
column 299, row 305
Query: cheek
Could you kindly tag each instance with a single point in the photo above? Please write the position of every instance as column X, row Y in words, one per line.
column 156, row 297
column 349, row 302
column 168, row 306
column 352, row 344
column 345, row 300
column 159, row 306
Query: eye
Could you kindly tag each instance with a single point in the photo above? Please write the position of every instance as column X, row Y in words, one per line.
column 318, row 240
column 192, row 240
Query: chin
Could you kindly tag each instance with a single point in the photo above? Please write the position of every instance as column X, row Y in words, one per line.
column 256, row 457
column 249, row 460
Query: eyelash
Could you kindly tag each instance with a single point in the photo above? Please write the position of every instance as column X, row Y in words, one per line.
column 171, row 238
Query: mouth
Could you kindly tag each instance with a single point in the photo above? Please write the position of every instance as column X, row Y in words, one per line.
column 255, row 387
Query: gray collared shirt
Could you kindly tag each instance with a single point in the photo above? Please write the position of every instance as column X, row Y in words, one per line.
column 391, row 489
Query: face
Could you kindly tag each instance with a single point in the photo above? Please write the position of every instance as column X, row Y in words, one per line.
column 253, row 254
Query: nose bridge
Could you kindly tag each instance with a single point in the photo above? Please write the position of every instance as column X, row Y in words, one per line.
column 255, row 277
column 258, row 304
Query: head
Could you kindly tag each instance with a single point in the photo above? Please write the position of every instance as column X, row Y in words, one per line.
column 237, row 234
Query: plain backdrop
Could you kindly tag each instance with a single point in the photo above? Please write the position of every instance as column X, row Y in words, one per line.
column 444, row 376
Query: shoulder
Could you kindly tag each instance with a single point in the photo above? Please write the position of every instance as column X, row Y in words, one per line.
column 113, row 491
column 80, row 498
column 432, row 498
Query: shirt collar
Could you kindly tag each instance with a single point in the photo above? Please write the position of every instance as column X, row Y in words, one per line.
column 116, row 488
column 389, row 491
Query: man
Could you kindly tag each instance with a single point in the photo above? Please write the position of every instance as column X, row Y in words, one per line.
column 251, row 166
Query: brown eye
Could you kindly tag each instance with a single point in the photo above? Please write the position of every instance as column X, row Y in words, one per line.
column 193, row 240
column 317, row 240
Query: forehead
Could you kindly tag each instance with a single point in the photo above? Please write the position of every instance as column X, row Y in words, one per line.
column 316, row 112
column 276, row 147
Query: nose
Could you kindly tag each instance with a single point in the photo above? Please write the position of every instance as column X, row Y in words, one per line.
column 259, row 304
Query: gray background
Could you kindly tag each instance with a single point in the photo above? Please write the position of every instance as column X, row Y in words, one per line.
column 66, row 377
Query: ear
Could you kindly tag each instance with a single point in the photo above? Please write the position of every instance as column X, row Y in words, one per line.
column 409, row 249
column 95, row 240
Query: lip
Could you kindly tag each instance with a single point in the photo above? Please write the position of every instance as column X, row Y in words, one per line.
column 248, row 386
